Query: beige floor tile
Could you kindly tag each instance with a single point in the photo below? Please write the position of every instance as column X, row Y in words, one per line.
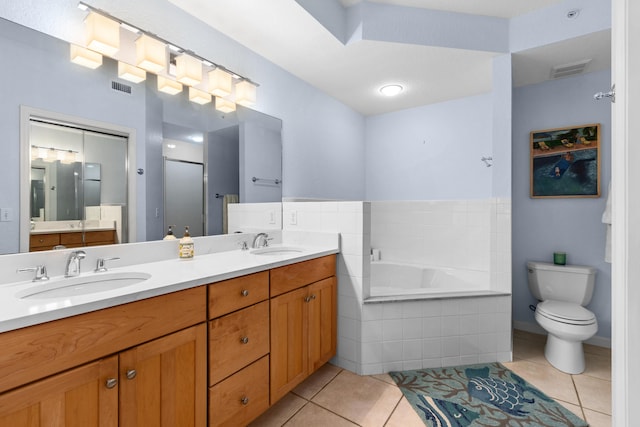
column 312, row 385
column 595, row 394
column 279, row 413
column 577, row 410
column 314, row 416
column 384, row 377
column 404, row 416
column 361, row 399
column 598, row 366
column 596, row 419
column 551, row 381
column 597, row 350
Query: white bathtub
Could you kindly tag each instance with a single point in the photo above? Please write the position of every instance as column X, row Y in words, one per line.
column 390, row 279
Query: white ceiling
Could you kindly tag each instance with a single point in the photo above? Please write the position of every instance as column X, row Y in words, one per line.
column 287, row 35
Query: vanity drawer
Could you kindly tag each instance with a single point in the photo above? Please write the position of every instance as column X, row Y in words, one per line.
column 239, row 399
column 290, row 277
column 44, row 241
column 104, row 237
column 237, row 339
column 234, row 294
column 69, row 239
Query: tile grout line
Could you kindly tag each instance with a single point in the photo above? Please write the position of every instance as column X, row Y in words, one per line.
column 584, row 416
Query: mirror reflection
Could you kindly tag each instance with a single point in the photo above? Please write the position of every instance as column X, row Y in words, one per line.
column 240, row 151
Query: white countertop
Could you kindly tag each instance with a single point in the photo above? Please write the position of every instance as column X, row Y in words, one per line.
column 166, row 276
column 72, row 230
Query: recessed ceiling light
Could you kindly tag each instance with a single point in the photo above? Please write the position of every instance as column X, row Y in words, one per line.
column 391, row 90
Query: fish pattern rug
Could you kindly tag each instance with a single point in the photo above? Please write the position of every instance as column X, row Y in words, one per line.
column 480, row 395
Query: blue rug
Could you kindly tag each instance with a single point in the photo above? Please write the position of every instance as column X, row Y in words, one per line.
column 480, row 395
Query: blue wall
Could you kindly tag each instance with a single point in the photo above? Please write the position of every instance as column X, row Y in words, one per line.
column 542, row 226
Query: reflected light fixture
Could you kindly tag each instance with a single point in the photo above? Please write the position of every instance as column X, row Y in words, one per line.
column 85, row 57
column 131, row 73
column 245, row 93
column 102, row 34
column 391, row 90
column 169, row 86
column 199, row 96
column 220, row 82
column 188, row 70
column 225, row 105
column 151, row 54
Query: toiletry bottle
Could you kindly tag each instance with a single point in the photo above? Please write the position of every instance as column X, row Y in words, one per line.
column 170, row 235
column 185, row 246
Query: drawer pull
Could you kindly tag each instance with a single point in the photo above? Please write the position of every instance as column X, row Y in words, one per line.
column 244, row 293
column 131, row 374
column 244, row 400
column 111, row 383
column 244, row 340
column 309, row 298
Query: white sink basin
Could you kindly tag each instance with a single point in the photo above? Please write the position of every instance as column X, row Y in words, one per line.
column 82, row 285
column 276, row 250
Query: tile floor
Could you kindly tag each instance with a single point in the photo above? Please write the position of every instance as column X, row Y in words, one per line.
column 335, row 397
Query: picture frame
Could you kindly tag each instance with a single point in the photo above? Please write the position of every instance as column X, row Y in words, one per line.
column 565, row 162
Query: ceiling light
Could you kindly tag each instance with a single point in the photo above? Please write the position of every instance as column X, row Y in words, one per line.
column 199, row 96
column 131, row 73
column 245, row 93
column 151, row 54
column 225, row 105
column 85, row 57
column 171, row 145
column 169, row 86
column 188, row 70
column 130, row 28
column 220, row 82
column 391, row 90
column 102, row 34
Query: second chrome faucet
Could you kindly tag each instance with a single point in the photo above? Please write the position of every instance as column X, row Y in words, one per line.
column 73, row 263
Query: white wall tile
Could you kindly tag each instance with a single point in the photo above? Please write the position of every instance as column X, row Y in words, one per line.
column 412, row 350
column 391, row 351
column 450, row 326
column 372, row 311
column 431, row 348
column 392, row 329
column 450, row 346
column 371, row 331
column 372, row 353
column 411, row 365
column 411, row 329
column 432, row 327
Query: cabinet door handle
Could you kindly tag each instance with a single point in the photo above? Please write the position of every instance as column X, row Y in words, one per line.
column 244, row 340
column 309, row 298
column 244, row 400
column 111, row 383
column 131, row 374
column 244, row 293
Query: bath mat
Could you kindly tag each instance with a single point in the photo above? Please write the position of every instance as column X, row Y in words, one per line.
column 480, row 395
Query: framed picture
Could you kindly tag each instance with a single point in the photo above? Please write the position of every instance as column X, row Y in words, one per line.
column 565, row 162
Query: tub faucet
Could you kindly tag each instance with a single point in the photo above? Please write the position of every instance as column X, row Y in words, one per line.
column 73, row 263
column 260, row 241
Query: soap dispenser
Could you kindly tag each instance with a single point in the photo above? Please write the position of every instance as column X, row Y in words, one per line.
column 170, row 235
column 185, row 247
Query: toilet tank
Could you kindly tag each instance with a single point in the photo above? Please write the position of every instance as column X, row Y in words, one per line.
column 569, row 283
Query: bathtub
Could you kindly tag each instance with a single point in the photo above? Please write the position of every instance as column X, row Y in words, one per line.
column 391, row 279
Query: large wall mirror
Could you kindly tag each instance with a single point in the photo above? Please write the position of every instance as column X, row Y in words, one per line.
column 118, row 160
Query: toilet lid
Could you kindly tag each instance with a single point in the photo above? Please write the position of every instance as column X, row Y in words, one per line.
column 566, row 312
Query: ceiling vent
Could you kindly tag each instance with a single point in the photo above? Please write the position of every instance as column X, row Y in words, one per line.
column 121, row 87
column 569, row 69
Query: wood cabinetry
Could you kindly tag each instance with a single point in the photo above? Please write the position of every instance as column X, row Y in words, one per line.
column 303, row 322
column 75, row 239
column 158, row 367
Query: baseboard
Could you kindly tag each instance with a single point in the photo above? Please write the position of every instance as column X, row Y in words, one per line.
column 534, row 328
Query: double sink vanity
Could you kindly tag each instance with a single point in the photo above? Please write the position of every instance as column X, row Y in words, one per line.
column 215, row 340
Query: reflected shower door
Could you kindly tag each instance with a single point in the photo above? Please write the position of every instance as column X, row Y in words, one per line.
column 184, row 197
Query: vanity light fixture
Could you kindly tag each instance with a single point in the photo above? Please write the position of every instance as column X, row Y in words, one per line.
column 85, row 57
column 102, row 34
column 245, row 93
column 199, row 96
column 391, row 90
column 131, row 73
column 151, row 54
column 169, row 86
column 220, row 82
column 225, row 105
column 188, row 70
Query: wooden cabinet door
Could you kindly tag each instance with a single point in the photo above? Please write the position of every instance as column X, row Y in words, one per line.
column 164, row 382
column 76, row 398
column 289, row 344
column 322, row 322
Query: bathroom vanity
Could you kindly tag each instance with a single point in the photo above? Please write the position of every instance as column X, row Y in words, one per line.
column 207, row 352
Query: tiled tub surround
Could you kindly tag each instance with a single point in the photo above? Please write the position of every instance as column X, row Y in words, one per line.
column 376, row 337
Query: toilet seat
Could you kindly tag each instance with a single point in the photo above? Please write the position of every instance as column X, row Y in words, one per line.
column 566, row 312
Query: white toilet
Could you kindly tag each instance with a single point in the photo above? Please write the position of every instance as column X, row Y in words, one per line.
column 564, row 290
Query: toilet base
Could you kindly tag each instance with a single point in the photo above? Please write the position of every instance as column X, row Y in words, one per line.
column 567, row 356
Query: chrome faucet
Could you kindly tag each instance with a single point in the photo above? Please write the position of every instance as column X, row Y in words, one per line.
column 39, row 270
column 260, row 241
column 73, row 263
